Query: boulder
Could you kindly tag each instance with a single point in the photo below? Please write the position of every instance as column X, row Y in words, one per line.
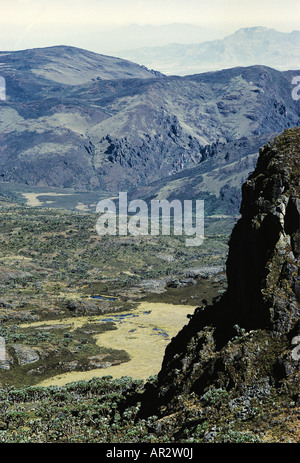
column 25, row 354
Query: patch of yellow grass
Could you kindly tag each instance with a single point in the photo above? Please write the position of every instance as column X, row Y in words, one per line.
column 16, row 258
column 32, row 198
column 83, row 207
column 141, row 335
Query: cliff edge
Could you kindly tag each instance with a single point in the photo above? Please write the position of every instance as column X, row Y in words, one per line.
column 250, row 337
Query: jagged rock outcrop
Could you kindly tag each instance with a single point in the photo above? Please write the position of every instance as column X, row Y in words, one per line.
column 263, row 261
column 250, row 337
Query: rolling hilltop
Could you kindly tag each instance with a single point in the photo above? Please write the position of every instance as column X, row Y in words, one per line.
column 75, row 119
column 66, row 65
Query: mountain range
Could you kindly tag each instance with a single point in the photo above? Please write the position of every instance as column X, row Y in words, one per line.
column 246, row 47
column 77, row 119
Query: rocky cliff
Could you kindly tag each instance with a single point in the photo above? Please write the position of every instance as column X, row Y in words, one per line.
column 249, row 338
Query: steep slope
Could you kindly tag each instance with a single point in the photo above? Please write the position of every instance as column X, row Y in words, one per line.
column 250, row 337
column 123, row 133
column 246, row 47
column 217, row 179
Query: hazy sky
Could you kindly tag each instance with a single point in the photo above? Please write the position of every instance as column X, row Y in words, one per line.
column 34, row 23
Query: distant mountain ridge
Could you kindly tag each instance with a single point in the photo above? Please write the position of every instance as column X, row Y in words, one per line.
column 123, row 127
column 246, row 47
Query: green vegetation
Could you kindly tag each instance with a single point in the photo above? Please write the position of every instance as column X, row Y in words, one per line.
column 105, row 410
column 52, row 261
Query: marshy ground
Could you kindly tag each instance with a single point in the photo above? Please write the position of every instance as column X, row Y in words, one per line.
column 53, row 267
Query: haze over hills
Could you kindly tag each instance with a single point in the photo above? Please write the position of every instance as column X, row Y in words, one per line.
column 105, row 39
column 75, row 119
column 150, row 35
column 246, row 47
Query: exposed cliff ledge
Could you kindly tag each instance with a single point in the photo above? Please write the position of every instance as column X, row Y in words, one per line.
column 264, row 249
column 251, row 335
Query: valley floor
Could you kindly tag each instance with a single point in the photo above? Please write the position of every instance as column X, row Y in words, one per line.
column 85, row 321
column 73, row 303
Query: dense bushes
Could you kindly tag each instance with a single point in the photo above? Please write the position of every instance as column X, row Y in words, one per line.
column 106, row 410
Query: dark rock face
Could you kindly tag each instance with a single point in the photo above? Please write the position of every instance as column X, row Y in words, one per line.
column 251, row 335
column 263, row 260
